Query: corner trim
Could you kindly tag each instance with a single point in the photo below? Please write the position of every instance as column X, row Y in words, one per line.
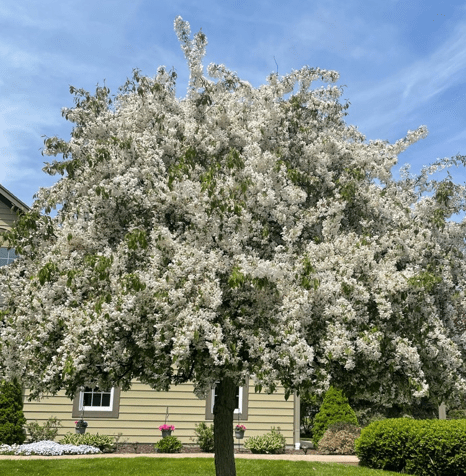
column 297, row 421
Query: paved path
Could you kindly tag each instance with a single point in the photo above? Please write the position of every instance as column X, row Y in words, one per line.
column 346, row 459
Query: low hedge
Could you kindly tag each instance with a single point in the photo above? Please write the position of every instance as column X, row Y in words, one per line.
column 105, row 443
column 270, row 443
column 418, row 447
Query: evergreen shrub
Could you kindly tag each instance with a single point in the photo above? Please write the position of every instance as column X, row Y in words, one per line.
column 418, row 447
column 334, row 409
column 12, row 419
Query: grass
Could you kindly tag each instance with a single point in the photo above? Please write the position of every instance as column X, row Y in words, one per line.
column 142, row 466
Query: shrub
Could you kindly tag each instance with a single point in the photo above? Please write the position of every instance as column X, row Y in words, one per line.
column 309, row 405
column 456, row 414
column 419, row 447
column 335, row 408
column 204, row 437
column 368, row 412
column 382, row 443
column 270, row 443
column 105, row 443
column 12, row 418
column 47, row 432
column 367, row 416
column 339, row 439
column 169, row 444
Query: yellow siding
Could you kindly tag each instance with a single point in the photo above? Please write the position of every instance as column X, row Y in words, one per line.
column 58, row 406
column 7, row 218
column 142, row 410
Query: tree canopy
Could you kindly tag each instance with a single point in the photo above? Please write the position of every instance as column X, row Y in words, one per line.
column 235, row 233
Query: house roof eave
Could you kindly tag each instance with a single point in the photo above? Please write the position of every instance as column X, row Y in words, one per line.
column 11, row 200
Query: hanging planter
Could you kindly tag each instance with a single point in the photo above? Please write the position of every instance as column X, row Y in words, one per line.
column 80, row 427
column 239, row 431
column 166, row 430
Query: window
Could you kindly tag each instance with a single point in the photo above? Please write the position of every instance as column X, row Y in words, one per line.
column 241, row 410
column 92, row 402
column 93, row 399
column 7, row 256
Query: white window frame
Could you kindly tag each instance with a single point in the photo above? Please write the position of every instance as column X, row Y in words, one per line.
column 91, row 408
column 241, row 413
column 240, row 401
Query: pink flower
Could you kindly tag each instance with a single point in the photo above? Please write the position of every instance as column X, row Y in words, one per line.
column 166, row 427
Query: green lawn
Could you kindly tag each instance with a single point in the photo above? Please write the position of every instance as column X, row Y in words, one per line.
column 142, row 466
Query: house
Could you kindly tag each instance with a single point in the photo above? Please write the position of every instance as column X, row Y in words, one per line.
column 10, row 208
column 136, row 414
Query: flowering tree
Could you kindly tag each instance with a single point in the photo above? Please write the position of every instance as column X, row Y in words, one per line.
column 235, row 234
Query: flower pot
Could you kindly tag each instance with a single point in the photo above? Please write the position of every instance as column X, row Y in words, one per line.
column 80, row 430
column 166, row 433
column 239, row 434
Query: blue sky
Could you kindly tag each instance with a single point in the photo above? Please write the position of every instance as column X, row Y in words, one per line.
column 403, row 64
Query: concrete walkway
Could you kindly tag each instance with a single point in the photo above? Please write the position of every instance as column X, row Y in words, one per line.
column 345, row 459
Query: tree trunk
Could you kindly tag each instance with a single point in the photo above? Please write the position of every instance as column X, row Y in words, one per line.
column 224, row 406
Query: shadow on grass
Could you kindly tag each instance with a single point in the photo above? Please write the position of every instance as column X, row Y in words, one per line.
column 141, row 466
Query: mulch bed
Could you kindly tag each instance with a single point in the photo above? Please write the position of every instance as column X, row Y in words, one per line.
column 145, row 448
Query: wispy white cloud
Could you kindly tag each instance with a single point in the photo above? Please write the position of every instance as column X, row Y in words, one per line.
column 415, row 86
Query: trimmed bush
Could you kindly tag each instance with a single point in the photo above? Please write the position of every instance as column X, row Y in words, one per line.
column 105, row 443
column 169, row 444
column 204, row 437
column 47, row 432
column 270, row 443
column 12, row 419
column 334, row 409
column 339, row 439
column 418, row 447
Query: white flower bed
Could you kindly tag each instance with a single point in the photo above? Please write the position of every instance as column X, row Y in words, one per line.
column 48, row 448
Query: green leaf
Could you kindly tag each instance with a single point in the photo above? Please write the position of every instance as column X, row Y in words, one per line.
column 47, row 272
